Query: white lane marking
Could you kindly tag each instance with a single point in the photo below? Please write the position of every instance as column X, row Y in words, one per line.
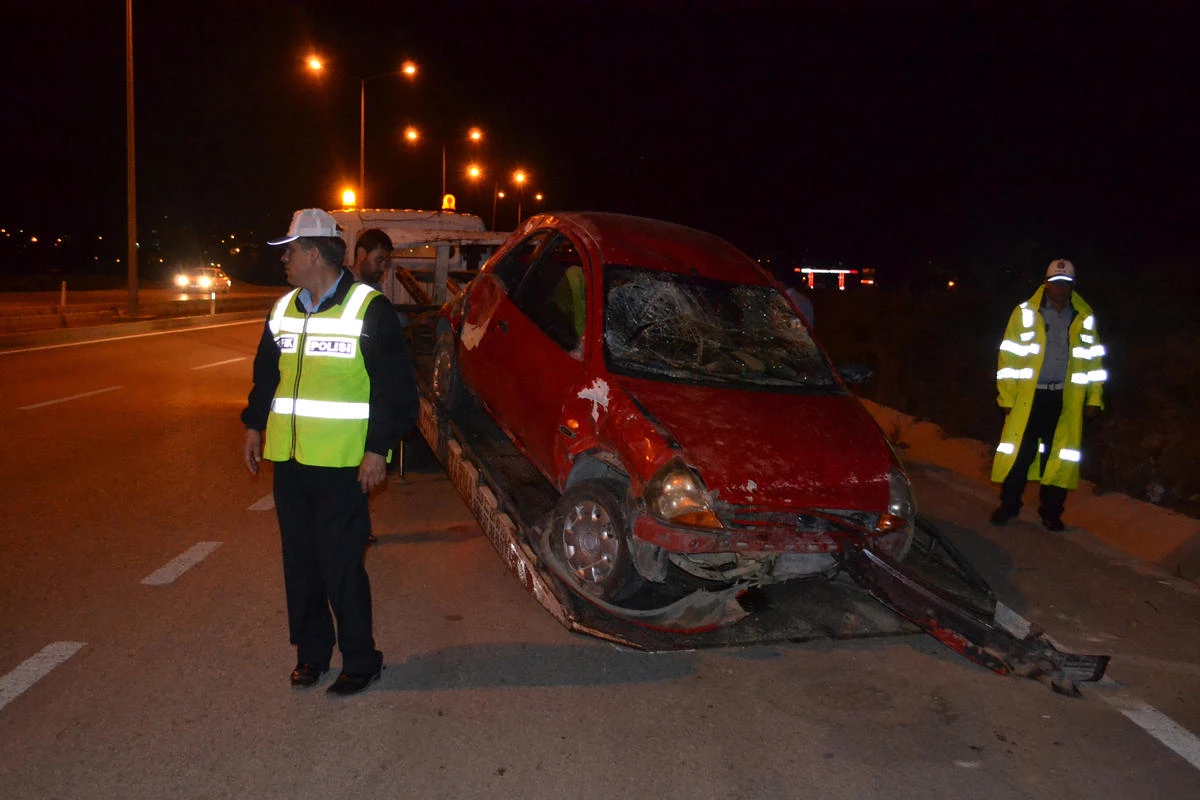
column 255, row 321
column 68, row 399
column 221, row 363
column 34, row 668
column 1177, row 738
column 180, row 564
column 1011, row 621
column 263, row 503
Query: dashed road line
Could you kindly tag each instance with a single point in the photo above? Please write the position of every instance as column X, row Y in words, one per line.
column 34, row 668
column 180, row 564
column 68, row 399
column 221, row 363
column 263, row 503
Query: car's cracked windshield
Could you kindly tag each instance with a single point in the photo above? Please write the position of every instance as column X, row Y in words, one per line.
column 682, row 327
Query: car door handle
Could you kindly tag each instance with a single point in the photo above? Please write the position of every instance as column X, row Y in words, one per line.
column 502, row 326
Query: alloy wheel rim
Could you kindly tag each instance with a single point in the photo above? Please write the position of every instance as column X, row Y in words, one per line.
column 590, row 544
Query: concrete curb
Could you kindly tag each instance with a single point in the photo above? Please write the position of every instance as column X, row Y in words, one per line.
column 1167, row 539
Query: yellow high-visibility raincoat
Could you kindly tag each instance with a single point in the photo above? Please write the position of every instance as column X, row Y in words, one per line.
column 1020, row 361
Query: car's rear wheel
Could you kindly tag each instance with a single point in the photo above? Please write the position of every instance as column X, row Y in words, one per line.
column 589, row 538
column 447, row 383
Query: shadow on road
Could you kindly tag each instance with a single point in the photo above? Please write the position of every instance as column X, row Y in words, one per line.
column 526, row 665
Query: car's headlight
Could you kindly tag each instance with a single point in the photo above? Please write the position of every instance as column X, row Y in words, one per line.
column 181, row 280
column 676, row 495
column 205, row 282
column 902, row 504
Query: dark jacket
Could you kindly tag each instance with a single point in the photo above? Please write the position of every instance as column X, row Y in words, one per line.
column 393, row 386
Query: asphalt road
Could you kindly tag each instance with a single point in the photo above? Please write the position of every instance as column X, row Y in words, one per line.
column 127, row 672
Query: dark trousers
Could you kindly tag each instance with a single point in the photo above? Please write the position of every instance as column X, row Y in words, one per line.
column 1043, row 418
column 324, row 524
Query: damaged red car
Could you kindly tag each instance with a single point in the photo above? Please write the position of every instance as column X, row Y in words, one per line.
column 667, row 387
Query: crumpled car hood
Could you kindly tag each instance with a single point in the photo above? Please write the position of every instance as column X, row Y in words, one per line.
column 773, row 449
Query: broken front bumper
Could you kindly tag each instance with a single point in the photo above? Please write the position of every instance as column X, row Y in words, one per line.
column 939, row 592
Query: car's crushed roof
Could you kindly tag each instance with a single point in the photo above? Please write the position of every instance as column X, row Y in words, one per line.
column 626, row 239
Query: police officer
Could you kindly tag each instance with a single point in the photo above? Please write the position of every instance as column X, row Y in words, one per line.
column 333, row 391
column 1050, row 374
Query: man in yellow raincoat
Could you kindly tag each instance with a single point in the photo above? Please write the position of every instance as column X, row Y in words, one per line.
column 1050, row 374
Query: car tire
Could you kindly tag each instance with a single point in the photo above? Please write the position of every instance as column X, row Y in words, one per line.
column 589, row 537
column 447, row 383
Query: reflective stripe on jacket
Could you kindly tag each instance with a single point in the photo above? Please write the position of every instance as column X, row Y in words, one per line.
column 320, row 410
column 1020, row 361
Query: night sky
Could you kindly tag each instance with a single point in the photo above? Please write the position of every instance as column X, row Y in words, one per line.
column 879, row 134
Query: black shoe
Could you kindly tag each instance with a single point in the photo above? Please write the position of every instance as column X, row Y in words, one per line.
column 1002, row 515
column 307, row 674
column 1053, row 524
column 347, row 684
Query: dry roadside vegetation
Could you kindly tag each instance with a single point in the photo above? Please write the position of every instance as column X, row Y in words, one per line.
column 934, row 357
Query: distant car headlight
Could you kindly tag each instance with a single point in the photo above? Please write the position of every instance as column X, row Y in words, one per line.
column 205, row 282
column 902, row 504
column 181, row 280
column 676, row 495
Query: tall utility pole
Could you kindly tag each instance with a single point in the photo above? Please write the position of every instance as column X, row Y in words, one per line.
column 362, row 141
column 130, row 170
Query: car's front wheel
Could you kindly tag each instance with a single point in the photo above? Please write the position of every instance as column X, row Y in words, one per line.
column 589, row 538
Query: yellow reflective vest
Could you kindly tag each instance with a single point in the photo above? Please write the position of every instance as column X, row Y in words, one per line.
column 1020, row 361
column 320, row 410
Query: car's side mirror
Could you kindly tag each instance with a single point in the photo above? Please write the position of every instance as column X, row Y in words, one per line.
column 856, row 372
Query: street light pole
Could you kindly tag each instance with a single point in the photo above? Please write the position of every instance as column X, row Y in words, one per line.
column 362, row 141
column 409, row 69
column 519, row 178
column 130, row 169
column 412, row 135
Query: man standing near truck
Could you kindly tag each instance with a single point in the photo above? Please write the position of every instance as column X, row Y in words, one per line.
column 372, row 254
column 333, row 391
column 1050, row 375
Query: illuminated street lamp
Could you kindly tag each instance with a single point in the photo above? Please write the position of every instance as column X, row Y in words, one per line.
column 519, row 178
column 474, row 135
column 497, row 194
column 408, row 69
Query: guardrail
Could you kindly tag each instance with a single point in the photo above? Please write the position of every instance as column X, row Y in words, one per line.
column 30, row 319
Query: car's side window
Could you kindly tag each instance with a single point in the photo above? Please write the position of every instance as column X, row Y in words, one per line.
column 512, row 267
column 553, row 294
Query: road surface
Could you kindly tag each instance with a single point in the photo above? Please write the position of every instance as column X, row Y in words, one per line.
column 144, row 652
